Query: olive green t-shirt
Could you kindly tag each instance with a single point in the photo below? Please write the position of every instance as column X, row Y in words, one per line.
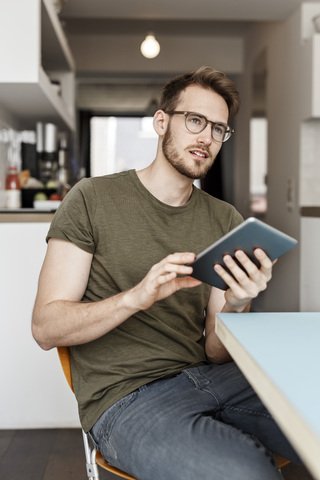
column 128, row 230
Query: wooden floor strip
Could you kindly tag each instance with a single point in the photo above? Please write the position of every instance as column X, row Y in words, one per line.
column 57, row 454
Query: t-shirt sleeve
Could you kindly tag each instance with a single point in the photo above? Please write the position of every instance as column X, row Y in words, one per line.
column 73, row 219
column 236, row 218
column 226, row 216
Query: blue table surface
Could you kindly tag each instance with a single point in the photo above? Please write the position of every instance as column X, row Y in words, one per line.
column 286, row 346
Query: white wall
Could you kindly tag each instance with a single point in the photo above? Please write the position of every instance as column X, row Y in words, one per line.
column 288, row 90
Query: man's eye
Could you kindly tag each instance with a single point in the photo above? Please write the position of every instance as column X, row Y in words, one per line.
column 196, row 120
column 219, row 130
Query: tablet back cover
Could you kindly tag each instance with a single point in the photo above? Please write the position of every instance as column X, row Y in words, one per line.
column 252, row 233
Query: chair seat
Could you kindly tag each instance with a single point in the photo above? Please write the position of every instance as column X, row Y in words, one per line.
column 104, row 464
column 281, row 461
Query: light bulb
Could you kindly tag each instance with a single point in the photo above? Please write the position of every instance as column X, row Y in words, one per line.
column 150, row 48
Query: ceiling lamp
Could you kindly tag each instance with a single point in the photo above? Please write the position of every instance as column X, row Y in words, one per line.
column 150, row 47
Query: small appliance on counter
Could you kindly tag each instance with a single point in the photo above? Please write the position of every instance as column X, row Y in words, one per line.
column 45, row 169
column 47, row 151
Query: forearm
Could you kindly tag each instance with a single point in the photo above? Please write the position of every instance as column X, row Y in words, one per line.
column 215, row 350
column 66, row 323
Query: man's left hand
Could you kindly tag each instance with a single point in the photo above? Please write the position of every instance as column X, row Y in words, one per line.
column 247, row 283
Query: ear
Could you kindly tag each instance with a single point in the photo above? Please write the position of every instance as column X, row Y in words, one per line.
column 160, row 122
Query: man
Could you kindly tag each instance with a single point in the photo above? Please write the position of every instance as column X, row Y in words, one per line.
column 160, row 399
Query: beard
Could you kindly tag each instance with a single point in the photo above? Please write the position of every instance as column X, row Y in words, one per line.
column 196, row 171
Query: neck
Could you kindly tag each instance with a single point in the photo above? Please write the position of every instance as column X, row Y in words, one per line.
column 165, row 183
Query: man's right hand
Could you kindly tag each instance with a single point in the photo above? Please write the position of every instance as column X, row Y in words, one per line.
column 164, row 279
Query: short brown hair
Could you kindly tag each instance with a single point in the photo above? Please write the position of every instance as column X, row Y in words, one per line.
column 205, row 77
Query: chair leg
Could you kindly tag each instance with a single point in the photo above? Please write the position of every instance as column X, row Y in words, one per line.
column 91, row 464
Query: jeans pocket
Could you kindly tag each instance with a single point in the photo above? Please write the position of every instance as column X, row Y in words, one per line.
column 197, row 376
column 102, row 430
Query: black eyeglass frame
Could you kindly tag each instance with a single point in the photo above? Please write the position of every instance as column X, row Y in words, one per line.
column 229, row 130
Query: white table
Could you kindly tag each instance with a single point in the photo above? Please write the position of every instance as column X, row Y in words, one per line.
column 279, row 353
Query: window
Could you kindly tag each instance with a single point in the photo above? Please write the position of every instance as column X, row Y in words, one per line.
column 121, row 143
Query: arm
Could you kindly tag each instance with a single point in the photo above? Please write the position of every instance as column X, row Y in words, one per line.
column 61, row 319
column 237, row 298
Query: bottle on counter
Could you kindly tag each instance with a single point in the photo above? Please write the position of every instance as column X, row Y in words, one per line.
column 49, row 157
column 13, row 189
column 63, row 168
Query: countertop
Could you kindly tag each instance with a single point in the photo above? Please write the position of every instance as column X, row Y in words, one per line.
column 25, row 215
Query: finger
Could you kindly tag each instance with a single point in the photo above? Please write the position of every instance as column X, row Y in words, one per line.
column 259, row 277
column 168, row 268
column 245, row 282
column 187, row 282
column 266, row 263
column 242, row 275
column 166, row 285
column 165, row 278
column 226, row 277
column 251, row 269
column 174, row 258
column 176, row 262
column 263, row 258
column 180, row 258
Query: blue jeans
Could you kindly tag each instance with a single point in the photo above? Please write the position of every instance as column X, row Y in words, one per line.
column 206, row 423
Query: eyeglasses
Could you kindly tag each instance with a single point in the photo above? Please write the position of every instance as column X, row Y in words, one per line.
column 196, row 123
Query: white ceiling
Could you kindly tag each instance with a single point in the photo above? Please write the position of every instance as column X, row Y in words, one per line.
column 90, row 24
column 171, row 17
column 235, row 10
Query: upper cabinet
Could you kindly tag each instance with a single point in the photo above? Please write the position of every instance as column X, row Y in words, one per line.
column 36, row 65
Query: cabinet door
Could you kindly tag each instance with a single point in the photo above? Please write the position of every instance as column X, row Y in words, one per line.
column 27, row 372
column 34, row 52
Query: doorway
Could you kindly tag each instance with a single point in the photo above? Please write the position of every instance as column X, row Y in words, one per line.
column 259, row 139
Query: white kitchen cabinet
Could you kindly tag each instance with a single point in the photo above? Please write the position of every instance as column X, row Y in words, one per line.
column 35, row 393
column 33, row 53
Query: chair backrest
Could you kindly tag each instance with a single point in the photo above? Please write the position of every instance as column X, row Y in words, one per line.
column 64, row 357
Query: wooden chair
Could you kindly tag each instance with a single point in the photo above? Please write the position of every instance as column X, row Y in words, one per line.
column 93, row 457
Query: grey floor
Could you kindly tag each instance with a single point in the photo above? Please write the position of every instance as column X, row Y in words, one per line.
column 57, row 454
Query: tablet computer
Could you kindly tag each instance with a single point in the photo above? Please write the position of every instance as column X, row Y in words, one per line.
column 250, row 234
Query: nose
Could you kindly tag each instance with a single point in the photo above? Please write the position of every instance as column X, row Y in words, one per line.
column 205, row 136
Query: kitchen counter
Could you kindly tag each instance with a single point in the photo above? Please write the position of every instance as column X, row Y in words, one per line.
column 25, row 215
column 47, row 399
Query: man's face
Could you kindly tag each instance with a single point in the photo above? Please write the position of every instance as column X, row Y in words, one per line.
column 192, row 154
